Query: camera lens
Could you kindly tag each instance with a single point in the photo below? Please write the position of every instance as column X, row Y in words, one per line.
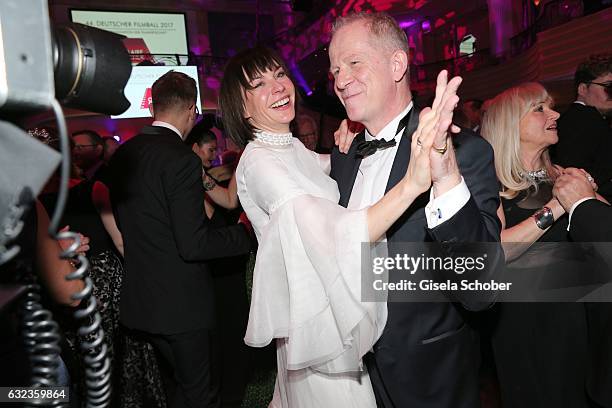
column 91, row 69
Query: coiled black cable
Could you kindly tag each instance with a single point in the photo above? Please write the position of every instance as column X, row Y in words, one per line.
column 41, row 336
column 12, row 226
column 91, row 333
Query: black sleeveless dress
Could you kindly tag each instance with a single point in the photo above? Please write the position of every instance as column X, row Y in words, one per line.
column 540, row 349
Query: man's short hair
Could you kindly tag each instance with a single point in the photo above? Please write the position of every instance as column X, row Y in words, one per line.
column 173, row 90
column 94, row 137
column 594, row 66
column 384, row 28
column 200, row 134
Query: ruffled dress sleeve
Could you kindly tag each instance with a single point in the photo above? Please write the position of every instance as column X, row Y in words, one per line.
column 307, row 278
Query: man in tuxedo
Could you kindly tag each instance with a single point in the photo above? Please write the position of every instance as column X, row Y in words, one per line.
column 591, row 221
column 158, row 197
column 585, row 136
column 428, row 355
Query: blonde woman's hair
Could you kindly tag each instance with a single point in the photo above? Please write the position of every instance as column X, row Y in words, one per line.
column 500, row 127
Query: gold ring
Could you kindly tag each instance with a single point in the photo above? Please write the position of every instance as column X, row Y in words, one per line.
column 590, row 179
column 442, row 149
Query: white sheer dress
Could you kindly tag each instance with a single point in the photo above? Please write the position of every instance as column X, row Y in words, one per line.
column 306, row 284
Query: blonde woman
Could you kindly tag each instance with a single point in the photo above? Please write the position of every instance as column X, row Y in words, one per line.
column 540, row 349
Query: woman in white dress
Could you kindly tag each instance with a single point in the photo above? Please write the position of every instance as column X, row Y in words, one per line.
column 307, row 278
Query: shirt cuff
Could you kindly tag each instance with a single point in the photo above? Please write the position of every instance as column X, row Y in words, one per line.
column 442, row 208
column 576, row 204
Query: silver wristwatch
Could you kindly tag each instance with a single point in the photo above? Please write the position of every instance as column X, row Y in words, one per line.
column 544, row 218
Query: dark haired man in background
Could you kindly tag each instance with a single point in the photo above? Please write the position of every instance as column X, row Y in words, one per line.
column 158, row 197
column 88, row 152
column 585, row 136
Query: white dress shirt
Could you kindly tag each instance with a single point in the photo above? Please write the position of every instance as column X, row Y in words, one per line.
column 167, row 126
column 374, row 172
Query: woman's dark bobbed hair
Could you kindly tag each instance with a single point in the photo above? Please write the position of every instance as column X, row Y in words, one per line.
column 239, row 72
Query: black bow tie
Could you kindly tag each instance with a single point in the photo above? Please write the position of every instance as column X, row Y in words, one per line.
column 366, row 148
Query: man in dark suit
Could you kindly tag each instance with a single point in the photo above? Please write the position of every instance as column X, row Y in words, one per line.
column 428, row 355
column 158, row 197
column 585, row 136
column 591, row 221
column 88, row 153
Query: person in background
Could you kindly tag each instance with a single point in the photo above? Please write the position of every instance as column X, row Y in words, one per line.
column 88, row 152
column 203, row 143
column 38, row 261
column 472, row 108
column 224, row 173
column 168, row 294
column 230, row 157
column 540, row 349
column 460, row 119
column 231, row 356
column 585, row 136
column 485, row 107
column 88, row 210
column 110, row 146
column 591, row 221
column 307, row 131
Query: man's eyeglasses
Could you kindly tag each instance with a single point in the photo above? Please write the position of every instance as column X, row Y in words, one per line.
column 606, row 85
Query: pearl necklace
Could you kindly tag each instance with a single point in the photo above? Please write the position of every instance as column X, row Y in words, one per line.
column 274, row 139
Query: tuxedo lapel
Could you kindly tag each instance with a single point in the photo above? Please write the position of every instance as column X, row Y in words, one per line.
column 345, row 186
column 402, row 157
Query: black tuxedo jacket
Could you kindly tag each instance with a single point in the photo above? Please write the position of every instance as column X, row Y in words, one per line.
column 585, row 141
column 158, row 198
column 428, row 355
column 592, row 222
